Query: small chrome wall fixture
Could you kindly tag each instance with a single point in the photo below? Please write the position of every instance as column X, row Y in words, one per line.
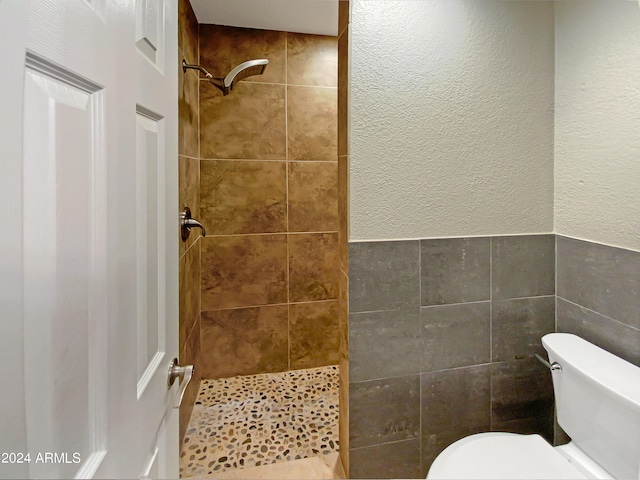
column 187, row 223
column 244, row 70
column 555, row 366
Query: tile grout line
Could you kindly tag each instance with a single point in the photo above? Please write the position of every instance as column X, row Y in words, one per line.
column 226, row 235
column 289, row 336
column 621, row 323
column 188, row 156
column 448, row 237
column 421, row 353
column 555, row 282
column 440, row 370
column 440, row 305
column 199, row 152
column 281, row 160
column 199, row 129
column 284, row 84
column 490, row 331
column 286, row 177
column 200, row 242
column 189, row 247
column 555, row 313
column 474, row 302
column 595, row 242
column 286, row 96
column 329, row 300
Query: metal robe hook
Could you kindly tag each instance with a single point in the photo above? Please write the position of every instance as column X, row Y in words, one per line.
column 187, row 223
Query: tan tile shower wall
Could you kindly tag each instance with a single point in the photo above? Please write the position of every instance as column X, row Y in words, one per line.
column 269, row 199
column 343, row 230
column 189, row 195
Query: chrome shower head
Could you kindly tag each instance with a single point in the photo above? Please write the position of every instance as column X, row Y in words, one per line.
column 242, row 71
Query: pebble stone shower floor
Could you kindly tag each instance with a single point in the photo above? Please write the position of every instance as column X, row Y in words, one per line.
column 254, row 420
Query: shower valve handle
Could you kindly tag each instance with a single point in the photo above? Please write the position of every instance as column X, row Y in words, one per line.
column 187, row 223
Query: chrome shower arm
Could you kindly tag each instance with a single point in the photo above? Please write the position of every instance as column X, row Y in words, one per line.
column 202, row 70
column 225, row 85
column 219, row 82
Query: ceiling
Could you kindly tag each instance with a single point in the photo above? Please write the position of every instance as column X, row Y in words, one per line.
column 318, row 17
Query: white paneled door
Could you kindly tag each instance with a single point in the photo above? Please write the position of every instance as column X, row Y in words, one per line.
column 89, row 285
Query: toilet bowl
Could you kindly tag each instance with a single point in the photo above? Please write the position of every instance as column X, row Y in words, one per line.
column 512, row 456
column 598, row 404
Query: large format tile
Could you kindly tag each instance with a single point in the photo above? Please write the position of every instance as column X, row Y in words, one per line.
column 455, row 270
column 312, row 60
column 313, row 196
column 343, row 16
column 343, row 326
column 313, row 267
column 188, row 113
column 190, row 355
column 456, row 399
column 244, row 341
column 602, row 278
column 222, row 48
column 189, row 185
column 312, row 122
column 313, row 334
column 343, row 212
column 243, row 270
column 523, row 266
column 609, row 334
column 455, row 335
column 389, row 460
column 384, row 275
column 249, row 123
column 518, row 326
column 384, row 344
column 343, row 94
column 243, row 197
column 383, row 411
column 189, row 195
column 187, row 31
column 343, row 304
column 189, row 292
column 343, row 406
column 520, row 389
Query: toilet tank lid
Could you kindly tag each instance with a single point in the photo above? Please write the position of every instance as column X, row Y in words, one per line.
column 617, row 377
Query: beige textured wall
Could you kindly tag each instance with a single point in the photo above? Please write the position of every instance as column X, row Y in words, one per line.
column 597, row 122
column 451, row 118
column 189, row 196
column 269, row 201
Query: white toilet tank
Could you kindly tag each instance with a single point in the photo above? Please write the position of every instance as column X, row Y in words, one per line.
column 598, row 402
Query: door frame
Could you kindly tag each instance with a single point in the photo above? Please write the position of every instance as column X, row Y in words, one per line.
column 13, row 29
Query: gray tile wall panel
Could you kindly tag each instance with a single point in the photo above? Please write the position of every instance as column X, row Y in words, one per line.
column 602, row 278
column 383, row 275
column 523, row 266
column 455, row 270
